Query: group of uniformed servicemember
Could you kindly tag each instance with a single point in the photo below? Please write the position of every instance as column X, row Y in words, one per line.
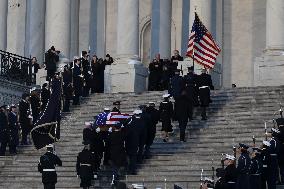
column 258, row 168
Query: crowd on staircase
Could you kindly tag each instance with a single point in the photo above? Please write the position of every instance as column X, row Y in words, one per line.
column 259, row 168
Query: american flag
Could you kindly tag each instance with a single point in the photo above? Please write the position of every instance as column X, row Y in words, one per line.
column 201, row 46
column 110, row 118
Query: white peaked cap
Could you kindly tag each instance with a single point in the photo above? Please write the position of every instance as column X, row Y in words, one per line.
column 166, row 95
column 49, row 146
column 137, row 112
column 266, row 143
column 230, row 157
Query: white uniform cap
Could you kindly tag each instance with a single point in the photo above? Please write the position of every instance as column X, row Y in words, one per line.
column 138, row 186
column 207, row 179
column 275, row 130
column 49, row 146
column 106, row 109
column 137, row 112
column 266, row 143
column 76, row 58
column 87, row 123
column 230, row 157
column 151, row 102
column 166, row 95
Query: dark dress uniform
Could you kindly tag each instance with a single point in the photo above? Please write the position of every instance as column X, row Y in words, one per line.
column 50, row 61
column 77, row 83
column 174, row 63
column 280, row 124
column 25, row 122
column 166, row 75
column 14, row 132
column 155, row 69
column 265, row 157
column 243, row 171
column 255, row 171
column 101, row 75
column 273, row 163
column 67, row 89
column 86, row 167
column 183, row 111
column 151, row 128
column 191, row 88
column 166, row 113
column 176, row 85
column 96, row 77
column 46, row 166
column 45, row 95
column 4, row 132
column 87, row 76
column 204, row 83
column 228, row 178
column 135, row 126
column 35, row 105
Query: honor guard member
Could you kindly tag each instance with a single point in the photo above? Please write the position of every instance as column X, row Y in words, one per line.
column 265, row 156
column 4, row 130
column 166, row 114
column 51, row 59
column 176, row 85
column 182, row 113
column 67, row 88
column 191, row 89
column 77, row 81
column 280, row 124
column 35, row 103
column 167, row 73
column 46, row 166
column 151, row 132
column 116, row 107
column 44, row 95
column 273, row 172
column 134, row 126
column 255, row 169
column 243, row 167
column 86, row 166
column 204, row 83
column 14, row 129
column 86, row 73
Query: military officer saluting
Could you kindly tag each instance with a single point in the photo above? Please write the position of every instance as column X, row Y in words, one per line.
column 243, row 167
column 86, row 165
column 46, row 166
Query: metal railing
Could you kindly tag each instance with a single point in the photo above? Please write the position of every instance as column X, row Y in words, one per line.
column 15, row 68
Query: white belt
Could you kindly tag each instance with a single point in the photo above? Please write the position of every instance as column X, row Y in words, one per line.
column 264, row 166
column 255, row 174
column 231, row 182
column 203, row 87
column 273, row 154
column 82, row 164
column 48, row 170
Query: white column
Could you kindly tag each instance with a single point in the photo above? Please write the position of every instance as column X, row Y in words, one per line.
column 204, row 10
column 165, row 28
column 74, row 30
column 274, row 24
column 3, row 24
column 127, row 28
column 57, row 26
column 35, row 29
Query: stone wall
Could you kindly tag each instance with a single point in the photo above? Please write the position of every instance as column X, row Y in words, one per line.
column 10, row 92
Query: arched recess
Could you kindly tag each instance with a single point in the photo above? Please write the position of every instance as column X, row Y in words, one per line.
column 145, row 41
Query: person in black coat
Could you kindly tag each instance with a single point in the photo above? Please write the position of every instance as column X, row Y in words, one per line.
column 51, row 59
column 265, row 156
column 86, row 73
column 102, row 65
column 151, row 128
column 204, row 82
column 24, row 117
column 67, row 88
column 34, row 67
column 4, row 130
column 95, row 66
column 44, row 95
column 190, row 80
column 35, row 104
column 243, row 167
column 255, row 169
column 155, row 69
column 108, row 60
column 14, row 130
column 46, row 166
column 77, row 81
column 176, row 85
column 86, row 166
column 166, row 74
column 183, row 112
column 174, row 61
column 166, row 114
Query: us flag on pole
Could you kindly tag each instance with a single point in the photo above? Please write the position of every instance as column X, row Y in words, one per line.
column 201, row 46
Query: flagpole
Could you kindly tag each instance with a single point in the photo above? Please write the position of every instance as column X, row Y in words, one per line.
column 193, row 42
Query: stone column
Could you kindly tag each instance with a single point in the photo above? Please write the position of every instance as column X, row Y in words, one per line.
column 126, row 74
column 35, row 29
column 57, row 27
column 269, row 68
column 3, row 24
column 74, row 29
column 127, row 28
column 274, row 25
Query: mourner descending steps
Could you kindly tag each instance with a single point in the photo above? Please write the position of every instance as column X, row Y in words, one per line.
column 234, row 116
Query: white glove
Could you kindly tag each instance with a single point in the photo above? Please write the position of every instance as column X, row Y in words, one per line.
column 110, row 129
column 98, row 130
column 77, row 176
column 95, row 176
column 122, row 126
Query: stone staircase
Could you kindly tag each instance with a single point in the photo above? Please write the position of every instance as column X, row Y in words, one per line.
column 234, row 116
